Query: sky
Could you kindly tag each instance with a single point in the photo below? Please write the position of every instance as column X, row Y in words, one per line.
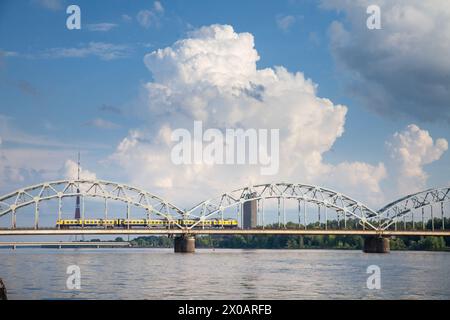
column 365, row 112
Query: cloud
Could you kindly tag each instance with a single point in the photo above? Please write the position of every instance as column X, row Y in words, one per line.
column 110, row 109
column 12, row 134
column 157, row 6
column 25, row 166
column 285, row 22
column 8, row 53
column 147, row 18
column 126, row 18
column 102, row 50
column 102, row 124
column 53, row 5
column 70, row 171
column 102, row 27
column 9, row 175
column 212, row 76
column 402, row 69
column 152, row 17
column 27, row 159
column 351, row 176
column 410, row 151
column 4, row 55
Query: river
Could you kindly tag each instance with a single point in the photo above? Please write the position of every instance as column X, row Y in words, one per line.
column 223, row 274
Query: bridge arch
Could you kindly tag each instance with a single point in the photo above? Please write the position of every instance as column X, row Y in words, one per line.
column 34, row 195
column 392, row 212
column 327, row 198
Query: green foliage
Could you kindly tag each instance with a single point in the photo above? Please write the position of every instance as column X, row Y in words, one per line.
column 347, row 242
column 152, row 242
column 397, row 244
column 292, row 242
column 430, row 243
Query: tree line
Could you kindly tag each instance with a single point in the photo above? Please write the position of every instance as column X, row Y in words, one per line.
column 345, row 242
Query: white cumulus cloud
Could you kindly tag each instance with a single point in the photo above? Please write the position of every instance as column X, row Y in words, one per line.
column 285, row 22
column 151, row 17
column 71, row 171
column 212, row 76
column 411, row 150
column 158, row 7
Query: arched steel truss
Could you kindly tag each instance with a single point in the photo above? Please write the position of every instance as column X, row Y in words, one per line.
column 391, row 213
column 322, row 197
column 34, row 195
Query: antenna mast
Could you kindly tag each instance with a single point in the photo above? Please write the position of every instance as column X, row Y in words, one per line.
column 78, row 165
column 77, row 205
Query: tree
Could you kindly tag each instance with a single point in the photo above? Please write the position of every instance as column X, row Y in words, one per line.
column 292, row 244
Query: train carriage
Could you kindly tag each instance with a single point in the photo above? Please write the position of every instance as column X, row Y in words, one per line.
column 145, row 223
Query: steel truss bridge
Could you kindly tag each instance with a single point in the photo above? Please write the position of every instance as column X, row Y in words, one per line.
column 405, row 216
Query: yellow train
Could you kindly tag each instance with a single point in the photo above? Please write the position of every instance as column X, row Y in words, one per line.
column 143, row 223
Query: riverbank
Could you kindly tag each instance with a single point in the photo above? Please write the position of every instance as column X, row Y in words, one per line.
column 296, row 242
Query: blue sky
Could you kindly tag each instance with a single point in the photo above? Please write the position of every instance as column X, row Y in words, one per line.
column 67, row 90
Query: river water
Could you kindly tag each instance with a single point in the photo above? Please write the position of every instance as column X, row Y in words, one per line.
column 223, row 274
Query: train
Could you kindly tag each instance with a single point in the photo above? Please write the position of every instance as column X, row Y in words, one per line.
column 145, row 223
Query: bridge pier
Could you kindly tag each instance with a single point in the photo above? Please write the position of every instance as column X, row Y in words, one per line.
column 184, row 244
column 376, row 244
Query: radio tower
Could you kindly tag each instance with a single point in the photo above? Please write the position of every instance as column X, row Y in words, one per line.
column 77, row 207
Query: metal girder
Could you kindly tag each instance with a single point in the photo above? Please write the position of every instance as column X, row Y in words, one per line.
column 33, row 195
column 390, row 213
column 342, row 204
column 308, row 193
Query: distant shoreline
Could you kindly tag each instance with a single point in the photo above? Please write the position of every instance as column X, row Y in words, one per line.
column 349, row 242
column 290, row 249
column 205, row 248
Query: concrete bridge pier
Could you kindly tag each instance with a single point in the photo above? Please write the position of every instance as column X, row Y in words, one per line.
column 376, row 244
column 184, row 244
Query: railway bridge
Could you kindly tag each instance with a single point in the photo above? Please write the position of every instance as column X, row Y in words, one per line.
column 263, row 209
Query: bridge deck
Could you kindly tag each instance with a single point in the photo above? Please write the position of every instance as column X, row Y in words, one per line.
column 47, row 232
